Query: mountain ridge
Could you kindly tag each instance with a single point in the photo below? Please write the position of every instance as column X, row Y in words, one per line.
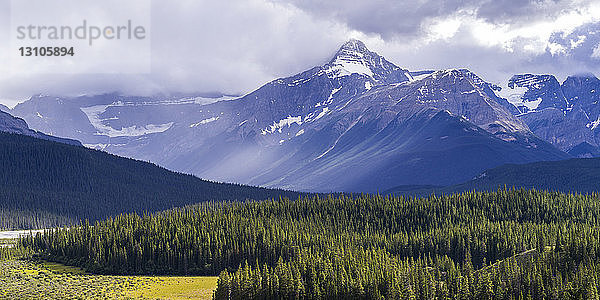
column 71, row 183
column 11, row 124
column 578, row 175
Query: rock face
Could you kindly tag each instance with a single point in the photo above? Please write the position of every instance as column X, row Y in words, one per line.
column 11, row 124
column 541, row 91
column 566, row 115
column 357, row 123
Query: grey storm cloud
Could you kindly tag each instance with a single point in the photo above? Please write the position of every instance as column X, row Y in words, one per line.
column 383, row 17
column 515, row 11
column 405, row 18
column 580, row 44
column 235, row 46
column 576, row 52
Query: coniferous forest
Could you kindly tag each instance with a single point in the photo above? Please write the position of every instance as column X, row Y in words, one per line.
column 509, row 244
column 46, row 184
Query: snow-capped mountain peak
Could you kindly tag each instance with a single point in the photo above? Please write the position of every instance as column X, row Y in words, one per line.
column 352, row 50
column 354, row 57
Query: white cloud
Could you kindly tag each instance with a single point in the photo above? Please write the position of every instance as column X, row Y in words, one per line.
column 533, row 36
column 442, row 28
column 576, row 43
column 556, row 49
column 199, row 46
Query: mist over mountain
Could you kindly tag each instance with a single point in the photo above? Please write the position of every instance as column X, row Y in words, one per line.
column 48, row 184
column 356, row 123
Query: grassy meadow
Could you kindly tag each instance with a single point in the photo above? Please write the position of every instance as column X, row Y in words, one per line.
column 38, row 279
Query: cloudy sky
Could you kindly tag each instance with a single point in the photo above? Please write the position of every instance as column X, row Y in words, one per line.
column 235, row 46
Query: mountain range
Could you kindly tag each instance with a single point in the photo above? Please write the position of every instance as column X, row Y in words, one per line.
column 565, row 114
column 358, row 123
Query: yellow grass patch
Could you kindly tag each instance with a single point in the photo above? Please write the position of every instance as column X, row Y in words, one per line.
column 175, row 288
column 24, row 279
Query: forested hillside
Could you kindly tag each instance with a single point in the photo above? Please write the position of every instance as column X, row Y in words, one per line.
column 519, row 244
column 47, row 184
column 574, row 175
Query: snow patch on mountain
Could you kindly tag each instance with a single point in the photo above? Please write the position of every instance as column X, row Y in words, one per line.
column 313, row 116
column 353, row 58
column 205, row 121
column 514, row 95
column 205, row 100
column 416, row 76
column 345, row 65
column 99, row 146
column 594, row 125
column 299, row 81
column 330, row 99
column 278, row 126
column 533, row 105
column 134, row 130
column 323, row 113
column 93, row 114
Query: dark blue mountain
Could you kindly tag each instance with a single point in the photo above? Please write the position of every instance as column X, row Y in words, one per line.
column 10, row 124
column 47, row 184
column 582, row 90
column 568, row 176
column 585, row 150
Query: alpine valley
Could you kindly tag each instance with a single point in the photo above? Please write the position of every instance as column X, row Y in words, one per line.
column 358, row 123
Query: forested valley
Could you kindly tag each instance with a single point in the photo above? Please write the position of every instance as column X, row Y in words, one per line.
column 508, row 244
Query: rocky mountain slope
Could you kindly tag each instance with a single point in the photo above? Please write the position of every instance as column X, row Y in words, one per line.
column 11, row 124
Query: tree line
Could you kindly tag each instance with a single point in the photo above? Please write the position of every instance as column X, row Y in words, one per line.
column 521, row 244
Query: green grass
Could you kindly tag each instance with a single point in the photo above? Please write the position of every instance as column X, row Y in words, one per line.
column 175, row 288
column 60, row 268
column 28, row 279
